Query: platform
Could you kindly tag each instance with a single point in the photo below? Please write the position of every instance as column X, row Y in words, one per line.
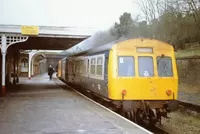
column 41, row 106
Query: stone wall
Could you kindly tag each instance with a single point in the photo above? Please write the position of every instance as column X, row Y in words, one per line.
column 189, row 70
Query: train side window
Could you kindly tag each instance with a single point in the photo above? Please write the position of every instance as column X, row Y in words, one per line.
column 92, row 66
column 79, row 66
column 73, row 66
column 145, row 66
column 126, row 66
column 76, row 67
column 164, row 65
column 99, row 66
column 84, row 66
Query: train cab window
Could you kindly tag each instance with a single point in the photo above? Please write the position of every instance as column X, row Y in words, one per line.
column 99, row 66
column 126, row 66
column 145, row 66
column 164, row 65
column 92, row 67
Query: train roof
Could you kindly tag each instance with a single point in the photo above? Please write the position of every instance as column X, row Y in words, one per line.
column 108, row 46
column 63, row 58
column 98, row 49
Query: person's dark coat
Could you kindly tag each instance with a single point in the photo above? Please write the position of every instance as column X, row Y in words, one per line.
column 50, row 71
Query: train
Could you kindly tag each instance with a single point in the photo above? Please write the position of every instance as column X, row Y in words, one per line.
column 137, row 75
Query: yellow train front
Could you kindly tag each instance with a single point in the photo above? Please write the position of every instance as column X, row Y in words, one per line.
column 138, row 76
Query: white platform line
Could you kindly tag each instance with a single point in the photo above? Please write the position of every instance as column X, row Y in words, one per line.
column 111, row 111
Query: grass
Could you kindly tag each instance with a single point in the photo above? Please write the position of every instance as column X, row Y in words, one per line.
column 181, row 123
column 189, row 52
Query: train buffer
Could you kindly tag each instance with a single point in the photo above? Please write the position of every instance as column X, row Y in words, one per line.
column 42, row 106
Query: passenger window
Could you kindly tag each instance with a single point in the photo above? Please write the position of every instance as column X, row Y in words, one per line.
column 84, row 66
column 81, row 67
column 99, row 66
column 146, row 67
column 76, row 66
column 73, row 67
column 92, row 67
column 126, row 66
column 164, row 65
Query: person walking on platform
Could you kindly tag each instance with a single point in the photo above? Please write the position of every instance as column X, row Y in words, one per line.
column 50, row 72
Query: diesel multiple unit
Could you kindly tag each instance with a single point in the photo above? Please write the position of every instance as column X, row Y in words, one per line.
column 138, row 76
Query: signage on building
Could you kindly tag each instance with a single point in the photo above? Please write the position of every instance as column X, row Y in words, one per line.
column 29, row 30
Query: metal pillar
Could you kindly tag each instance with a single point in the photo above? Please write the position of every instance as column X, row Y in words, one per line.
column 3, row 52
column 32, row 67
column 29, row 65
column 6, row 41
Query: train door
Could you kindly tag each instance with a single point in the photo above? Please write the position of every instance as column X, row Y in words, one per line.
column 146, row 74
column 63, row 69
column 106, row 68
column 106, row 72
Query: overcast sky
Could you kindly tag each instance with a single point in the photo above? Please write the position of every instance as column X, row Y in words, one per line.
column 79, row 13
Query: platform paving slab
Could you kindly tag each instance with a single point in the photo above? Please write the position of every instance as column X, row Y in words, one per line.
column 41, row 106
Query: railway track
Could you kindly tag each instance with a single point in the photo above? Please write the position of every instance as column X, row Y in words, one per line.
column 189, row 106
column 154, row 129
column 157, row 130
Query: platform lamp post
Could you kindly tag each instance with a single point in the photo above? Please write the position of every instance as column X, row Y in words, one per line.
column 5, row 42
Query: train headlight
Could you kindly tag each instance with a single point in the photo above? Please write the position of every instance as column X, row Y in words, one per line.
column 123, row 92
column 169, row 92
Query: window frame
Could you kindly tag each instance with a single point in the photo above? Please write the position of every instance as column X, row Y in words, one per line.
column 96, row 76
column 172, row 71
column 134, row 65
column 152, row 64
column 79, row 63
column 101, row 64
column 93, row 64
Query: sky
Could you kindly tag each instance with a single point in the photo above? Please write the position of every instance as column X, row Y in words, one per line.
column 100, row 14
